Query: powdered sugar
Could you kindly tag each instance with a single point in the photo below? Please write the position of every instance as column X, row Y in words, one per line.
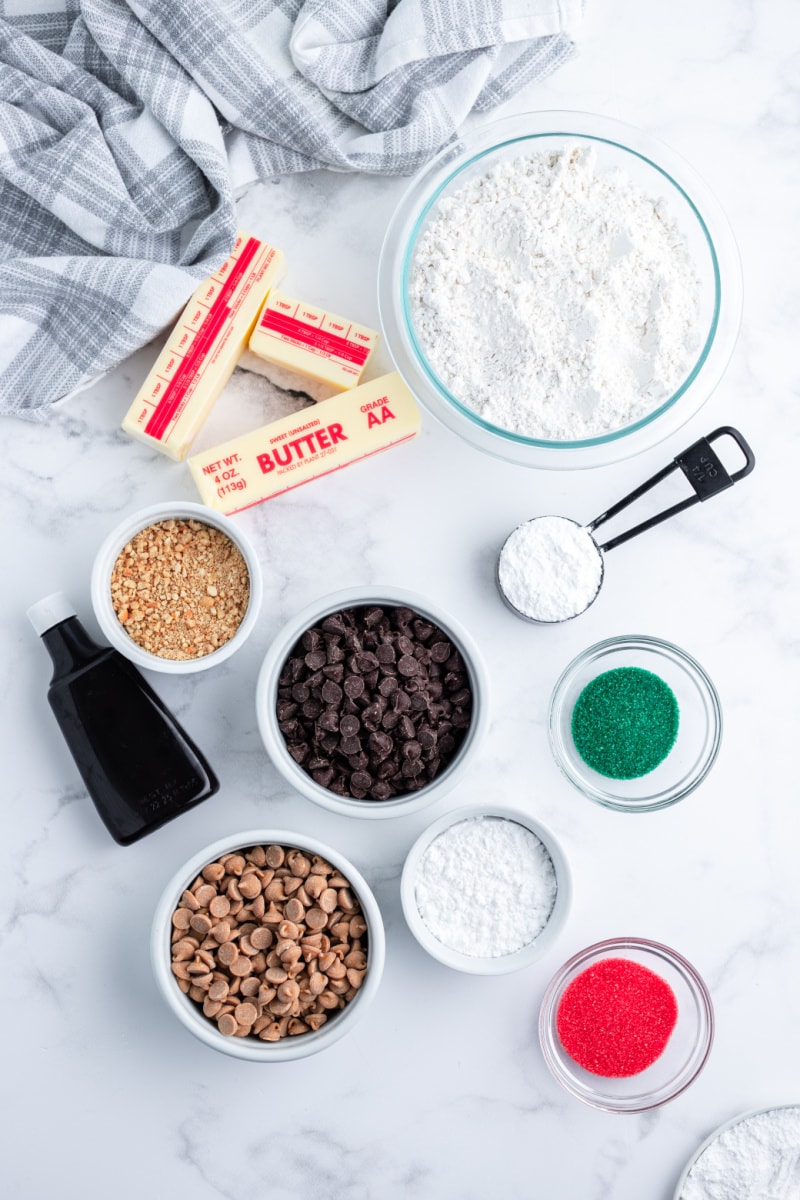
column 556, row 301
column 486, row 886
column 550, row 569
column 759, row 1156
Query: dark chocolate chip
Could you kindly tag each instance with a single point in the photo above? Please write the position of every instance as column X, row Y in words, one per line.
column 300, row 693
column 315, row 659
column 441, row 651
column 408, row 665
column 349, row 726
column 353, row 686
column 311, row 640
column 331, row 692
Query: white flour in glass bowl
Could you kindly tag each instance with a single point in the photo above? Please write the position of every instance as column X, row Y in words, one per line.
column 555, row 301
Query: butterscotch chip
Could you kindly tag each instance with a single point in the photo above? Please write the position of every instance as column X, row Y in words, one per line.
column 227, row 1024
column 213, row 872
column 261, row 938
column 182, row 918
column 228, row 953
column 245, row 1013
column 250, row 886
column 205, row 894
column 294, row 910
column 219, row 906
column 183, row 950
column 316, row 918
column 241, row 966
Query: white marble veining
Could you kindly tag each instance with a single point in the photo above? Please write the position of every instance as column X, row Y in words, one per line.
column 441, row 1093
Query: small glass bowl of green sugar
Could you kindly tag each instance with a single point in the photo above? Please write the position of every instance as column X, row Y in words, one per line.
column 635, row 723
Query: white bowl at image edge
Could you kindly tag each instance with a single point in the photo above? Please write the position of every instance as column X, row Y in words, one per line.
column 267, row 692
column 110, row 550
column 252, row 1048
column 712, row 1137
column 502, row 964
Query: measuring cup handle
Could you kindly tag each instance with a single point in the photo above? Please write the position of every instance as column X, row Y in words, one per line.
column 702, row 468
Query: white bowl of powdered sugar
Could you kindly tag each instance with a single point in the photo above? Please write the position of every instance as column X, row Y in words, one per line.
column 560, row 289
column 486, row 890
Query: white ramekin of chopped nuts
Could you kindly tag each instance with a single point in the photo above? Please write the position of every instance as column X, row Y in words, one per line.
column 176, row 587
column 268, row 945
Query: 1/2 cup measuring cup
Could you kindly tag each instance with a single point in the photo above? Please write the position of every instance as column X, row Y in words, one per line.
column 551, row 568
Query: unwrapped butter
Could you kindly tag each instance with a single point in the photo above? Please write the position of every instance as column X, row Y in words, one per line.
column 306, row 445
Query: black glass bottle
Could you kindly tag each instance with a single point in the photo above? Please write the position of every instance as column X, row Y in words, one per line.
column 139, row 766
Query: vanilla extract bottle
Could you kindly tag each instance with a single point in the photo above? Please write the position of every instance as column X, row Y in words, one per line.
column 139, row 766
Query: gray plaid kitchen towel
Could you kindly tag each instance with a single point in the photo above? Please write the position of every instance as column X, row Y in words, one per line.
column 127, row 128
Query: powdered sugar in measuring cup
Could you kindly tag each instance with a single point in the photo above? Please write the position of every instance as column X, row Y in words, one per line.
column 551, row 569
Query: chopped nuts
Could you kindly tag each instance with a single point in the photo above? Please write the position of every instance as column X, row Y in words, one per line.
column 272, row 970
column 180, row 589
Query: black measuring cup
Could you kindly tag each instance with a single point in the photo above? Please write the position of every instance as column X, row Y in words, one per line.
column 583, row 553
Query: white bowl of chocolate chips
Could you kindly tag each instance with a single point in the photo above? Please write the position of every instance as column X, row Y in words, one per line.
column 372, row 701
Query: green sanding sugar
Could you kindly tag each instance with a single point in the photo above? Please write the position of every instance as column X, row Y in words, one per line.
column 625, row 722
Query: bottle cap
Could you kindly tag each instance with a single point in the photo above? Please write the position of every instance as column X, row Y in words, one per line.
column 49, row 612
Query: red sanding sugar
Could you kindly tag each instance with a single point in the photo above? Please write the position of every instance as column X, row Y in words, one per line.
column 616, row 1017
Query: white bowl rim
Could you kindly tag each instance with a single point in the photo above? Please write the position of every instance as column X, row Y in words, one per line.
column 503, row 964
column 107, row 555
column 364, row 597
column 729, row 1124
column 187, row 1011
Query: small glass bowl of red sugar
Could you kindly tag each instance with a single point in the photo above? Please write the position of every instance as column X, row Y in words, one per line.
column 626, row 1025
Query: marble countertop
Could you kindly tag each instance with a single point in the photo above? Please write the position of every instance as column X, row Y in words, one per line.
column 441, row 1091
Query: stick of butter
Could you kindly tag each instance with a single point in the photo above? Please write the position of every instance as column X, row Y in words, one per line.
column 203, row 348
column 306, row 445
column 308, row 341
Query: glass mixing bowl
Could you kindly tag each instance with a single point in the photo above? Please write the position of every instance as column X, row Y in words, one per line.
column 658, row 172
